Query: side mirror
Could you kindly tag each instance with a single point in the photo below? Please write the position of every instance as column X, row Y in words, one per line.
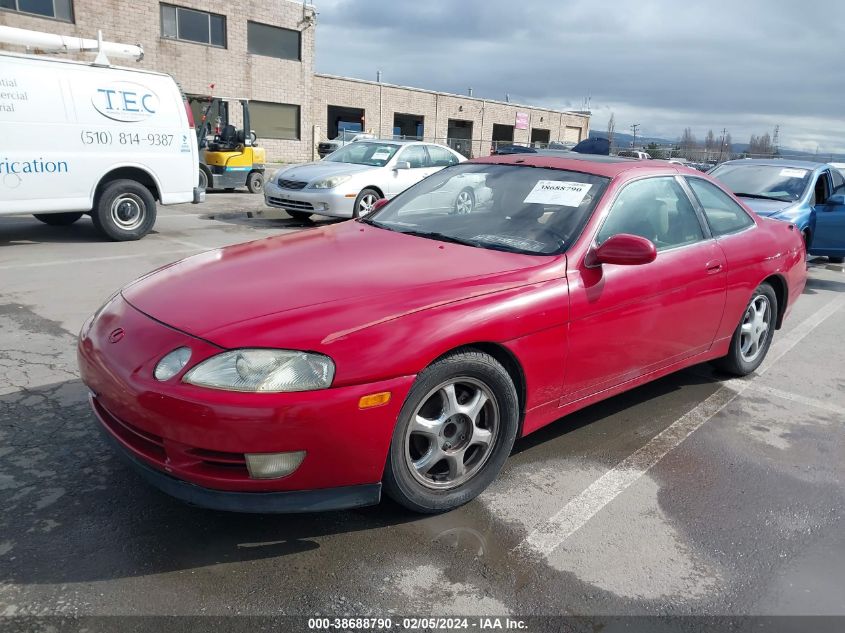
column 623, row 250
column 836, row 200
column 402, row 164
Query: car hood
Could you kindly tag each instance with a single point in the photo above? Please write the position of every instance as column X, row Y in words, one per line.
column 766, row 207
column 321, row 169
column 307, row 289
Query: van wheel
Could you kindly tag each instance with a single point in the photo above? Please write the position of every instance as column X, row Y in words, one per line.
column 255, row 182
column 58, row 219
column 125, row 210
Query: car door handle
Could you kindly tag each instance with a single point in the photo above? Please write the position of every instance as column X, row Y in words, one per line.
column 713, row 267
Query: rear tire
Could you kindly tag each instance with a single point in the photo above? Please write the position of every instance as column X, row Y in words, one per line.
column 753, row 336
column 255, row 182
column 836, row 260
column 450, row 443
column 303, row 216
column 58, row 219
column 125, row 211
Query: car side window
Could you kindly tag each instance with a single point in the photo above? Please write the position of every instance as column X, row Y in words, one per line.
column 838, row 181
column 657, row 209
column 723, row 214
column 441, row 157
column 822, row 189
column 415, row 155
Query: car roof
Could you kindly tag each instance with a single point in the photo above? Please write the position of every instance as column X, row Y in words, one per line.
column 608, row 166
column 780, row 162
column 395, row 142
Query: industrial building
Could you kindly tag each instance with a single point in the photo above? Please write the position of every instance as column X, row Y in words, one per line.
column 263, row 50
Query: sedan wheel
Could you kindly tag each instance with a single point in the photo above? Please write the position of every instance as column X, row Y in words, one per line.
column 464, row 203
column 454, row 433
column 365, row 202
column 755, row 328
column 753, row 335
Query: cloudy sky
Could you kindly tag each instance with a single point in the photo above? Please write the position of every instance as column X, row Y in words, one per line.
column 744, row 65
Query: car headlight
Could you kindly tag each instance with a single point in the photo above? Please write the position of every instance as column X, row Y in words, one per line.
column 172, row 364
column 263, row 370
column 329, row 183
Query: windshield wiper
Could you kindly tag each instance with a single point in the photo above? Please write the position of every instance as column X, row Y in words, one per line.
column 760, row 196
column 441, row 237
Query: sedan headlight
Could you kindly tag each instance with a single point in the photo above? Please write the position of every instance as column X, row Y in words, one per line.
column 263, row 370
column 330, row 183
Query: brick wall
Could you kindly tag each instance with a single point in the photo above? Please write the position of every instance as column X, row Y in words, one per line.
column 237, row 73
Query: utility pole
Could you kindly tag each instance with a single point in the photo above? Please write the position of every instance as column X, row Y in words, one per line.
column 722, row 144
column 634, row 129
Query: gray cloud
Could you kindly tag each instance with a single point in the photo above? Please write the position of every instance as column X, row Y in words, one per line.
column 743, row 64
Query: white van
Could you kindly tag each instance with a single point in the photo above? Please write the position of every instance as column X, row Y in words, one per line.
column 83, row 138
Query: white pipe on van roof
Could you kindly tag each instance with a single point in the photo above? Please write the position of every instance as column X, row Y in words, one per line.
column 50, row 42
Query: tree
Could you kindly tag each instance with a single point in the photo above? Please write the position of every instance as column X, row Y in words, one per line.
column 654, row 151
column 761, row 146
column 728, row 146
column 710, row 142
column 688, row 145
column 611, row 128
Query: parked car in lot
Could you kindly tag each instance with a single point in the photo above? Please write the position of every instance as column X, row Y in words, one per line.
column 807, row 194
column 348, row 183
column 407, row 350
column 344, row 137
column 632, row 153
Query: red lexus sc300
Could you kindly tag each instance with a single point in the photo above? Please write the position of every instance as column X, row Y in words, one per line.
column 409, row 349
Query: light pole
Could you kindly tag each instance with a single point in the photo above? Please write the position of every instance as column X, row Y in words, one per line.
column 634, row 129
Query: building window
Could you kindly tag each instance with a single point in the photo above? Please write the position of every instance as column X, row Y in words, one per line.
column 179, row 23
column 272, row 41
column 58, row 9
column 274, row 120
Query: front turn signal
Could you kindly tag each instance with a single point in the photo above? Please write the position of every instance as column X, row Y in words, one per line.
column 374, row 400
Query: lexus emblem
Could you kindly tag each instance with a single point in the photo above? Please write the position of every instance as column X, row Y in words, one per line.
column 116, row 335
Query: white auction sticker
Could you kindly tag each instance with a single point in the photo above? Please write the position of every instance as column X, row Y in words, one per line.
column 566, row 194
column 381, row 153
column 792, row 173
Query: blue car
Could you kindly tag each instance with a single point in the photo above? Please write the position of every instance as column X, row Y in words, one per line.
column 809, row 195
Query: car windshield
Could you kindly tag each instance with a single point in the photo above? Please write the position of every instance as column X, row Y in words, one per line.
column 522, row 209
column 774, row 182
column 375, row 154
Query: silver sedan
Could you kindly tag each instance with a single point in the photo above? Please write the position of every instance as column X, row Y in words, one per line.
column 348, row 182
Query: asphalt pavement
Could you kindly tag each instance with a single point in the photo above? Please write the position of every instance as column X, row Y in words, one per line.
column 693, row 495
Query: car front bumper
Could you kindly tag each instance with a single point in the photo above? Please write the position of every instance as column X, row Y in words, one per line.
column 191, row 441
column 338, row 203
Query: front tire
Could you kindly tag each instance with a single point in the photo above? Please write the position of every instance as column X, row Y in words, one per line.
column 753, row 336
column 255, row 182
column 364, row 202
column 125, row 211
column 58, row 219
column 454, row 433
column 464, row 202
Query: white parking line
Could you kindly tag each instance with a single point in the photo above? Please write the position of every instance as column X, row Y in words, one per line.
column 87, row 260
column 815, row 403
column 574, row 515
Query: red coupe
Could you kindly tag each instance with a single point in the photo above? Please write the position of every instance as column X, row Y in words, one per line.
column 409, row 349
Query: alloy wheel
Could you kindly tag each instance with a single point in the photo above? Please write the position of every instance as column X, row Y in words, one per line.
column 755, row 328
column 452, row 433
column 365, row 205
column 463, row 203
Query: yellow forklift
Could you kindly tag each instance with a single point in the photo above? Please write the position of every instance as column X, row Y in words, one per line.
column 229, row 157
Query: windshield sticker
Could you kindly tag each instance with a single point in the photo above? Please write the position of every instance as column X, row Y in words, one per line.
column 381, row 153
column 792, row 173
column 566, row 194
